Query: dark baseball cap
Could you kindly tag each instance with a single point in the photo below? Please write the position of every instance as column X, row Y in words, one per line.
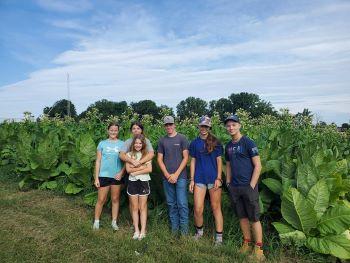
column 232, row 118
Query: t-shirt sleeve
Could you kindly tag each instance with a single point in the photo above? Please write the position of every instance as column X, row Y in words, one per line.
column 218, row 150
column 184, row 143
column 252, row 149
column 125, row 147
column 160, row 146
column 100, row 146
column 192, row 149
column 149, row 146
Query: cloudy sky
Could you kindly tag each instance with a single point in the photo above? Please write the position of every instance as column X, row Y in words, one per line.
column 293, row 53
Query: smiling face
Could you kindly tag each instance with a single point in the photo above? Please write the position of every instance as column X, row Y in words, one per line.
column 113, row 132
column 233, row 128
column 136, row 130
column 138, row 145
column 203, row 130
column 170, row 128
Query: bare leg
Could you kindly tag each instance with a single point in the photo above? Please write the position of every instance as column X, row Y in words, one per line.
column 115, row 197
column 257, row 231
column 134, row 205
column 143, row 213
column 101, row 199
column 245, row 227
column 198, row 200
column 215, row 201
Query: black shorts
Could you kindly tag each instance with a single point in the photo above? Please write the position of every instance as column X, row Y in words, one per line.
column 107, row 181
column 245, row 202
column 138, row 187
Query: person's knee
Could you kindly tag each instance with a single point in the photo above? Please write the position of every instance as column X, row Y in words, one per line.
column 115, row 199
column 216, row 208
column 198, row 210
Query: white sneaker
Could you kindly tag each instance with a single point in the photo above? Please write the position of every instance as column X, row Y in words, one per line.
column 96, row 226
column 136, row 235
column 115, row 226
column 142, row 236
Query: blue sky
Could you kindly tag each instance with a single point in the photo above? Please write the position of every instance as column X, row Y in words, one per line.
column 295, row 54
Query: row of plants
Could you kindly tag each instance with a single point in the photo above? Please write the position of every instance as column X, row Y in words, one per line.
column 305, row 182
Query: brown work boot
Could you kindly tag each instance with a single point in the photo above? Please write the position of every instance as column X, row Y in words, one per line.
column 257, row 254
column 245, row 248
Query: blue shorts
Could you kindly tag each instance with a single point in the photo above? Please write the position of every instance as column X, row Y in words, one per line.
column 206, row 186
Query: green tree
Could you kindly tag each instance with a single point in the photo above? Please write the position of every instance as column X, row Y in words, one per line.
column 190, row 106
column 252, row 103
column 221, row 106
column 107, row 108
column 146, row 107
column 60, row 108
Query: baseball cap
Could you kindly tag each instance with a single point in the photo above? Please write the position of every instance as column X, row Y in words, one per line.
column 168, row 119
column 232, row 118
column 205, row 121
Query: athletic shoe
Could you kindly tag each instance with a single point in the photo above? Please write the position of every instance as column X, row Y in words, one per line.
column 114, row 226
column 136, row 235
column 96, row 226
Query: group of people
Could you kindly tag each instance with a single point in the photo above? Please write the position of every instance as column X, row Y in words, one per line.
column 130, row 162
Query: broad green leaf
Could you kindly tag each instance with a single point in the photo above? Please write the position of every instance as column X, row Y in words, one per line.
column 341, row 167
column 273, row 165
column 274, row 185
column 91, row 198
column 336, row 245
column 318, row 197
column 72, row 189
column 335, row 220
column 295, row 237
column 49, row 185
column 65, row 168
column 297, row 212
column 306, row 178
column 283, row 228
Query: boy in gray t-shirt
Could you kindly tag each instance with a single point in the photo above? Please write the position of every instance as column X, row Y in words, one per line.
column 172, row 160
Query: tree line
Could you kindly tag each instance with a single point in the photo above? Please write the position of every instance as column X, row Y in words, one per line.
column 249, row 102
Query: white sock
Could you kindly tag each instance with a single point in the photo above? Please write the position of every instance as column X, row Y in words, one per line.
column 96, row 221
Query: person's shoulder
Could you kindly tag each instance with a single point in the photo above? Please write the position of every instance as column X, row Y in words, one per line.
column 120, row 141
column 103, row 142
column 247, row 139
column 128, row 140
column 181, row 136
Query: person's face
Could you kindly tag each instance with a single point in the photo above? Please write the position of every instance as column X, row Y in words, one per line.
column 113, row 132
column 138, row 145
column 203, row 130
column 136, row 130
column 170, row 128
column 232, row 127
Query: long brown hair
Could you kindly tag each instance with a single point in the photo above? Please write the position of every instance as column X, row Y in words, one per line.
column 142, row 138
column 211, row 142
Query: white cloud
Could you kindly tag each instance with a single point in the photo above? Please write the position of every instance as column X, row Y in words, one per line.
column 131, row 59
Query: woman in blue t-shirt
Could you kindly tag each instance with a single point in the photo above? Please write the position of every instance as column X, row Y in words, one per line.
column 109, row 171
column 206, row 170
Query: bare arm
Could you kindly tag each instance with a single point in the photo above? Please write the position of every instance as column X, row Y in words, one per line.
column 147, row 168
column 219, row 163
column 162, row 165
column 183, row 163
column 228, row 172
column 192, row 167
column 149, row 156
column 97, row 168
column 256, row 171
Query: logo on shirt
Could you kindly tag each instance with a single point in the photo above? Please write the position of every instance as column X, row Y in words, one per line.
column 255, row 150
column 111, row 150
